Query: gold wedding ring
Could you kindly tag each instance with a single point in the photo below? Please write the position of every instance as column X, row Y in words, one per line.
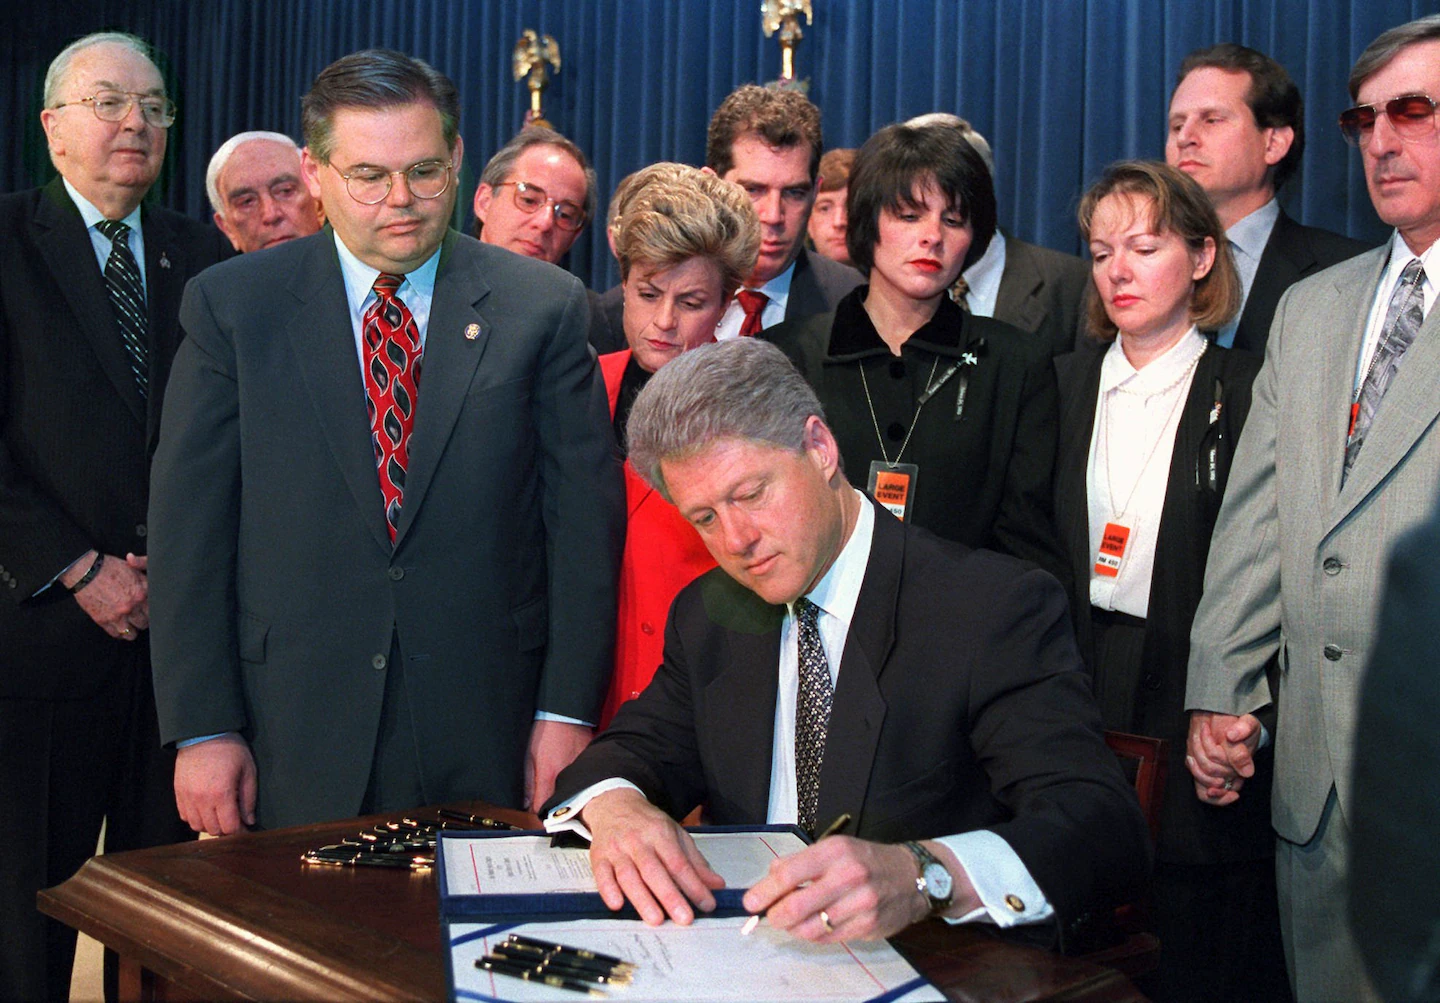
column 825, row 921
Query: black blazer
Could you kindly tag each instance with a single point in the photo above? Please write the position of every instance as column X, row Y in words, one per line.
column 985, row 477
column 959, row 705
column 818, row 285
column 1292, row 252
column 1190, row 831
column 1043, row 292
column 75, row 434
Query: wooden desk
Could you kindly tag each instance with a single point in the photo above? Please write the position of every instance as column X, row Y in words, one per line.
column 242, row 918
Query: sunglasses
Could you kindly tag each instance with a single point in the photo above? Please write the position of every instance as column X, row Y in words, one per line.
column 1412, row 116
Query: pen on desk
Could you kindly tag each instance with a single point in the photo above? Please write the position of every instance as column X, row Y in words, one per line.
column 523, row 954
column 579, row 952
column 529, row 975
column 480, row 820
column 833, row 829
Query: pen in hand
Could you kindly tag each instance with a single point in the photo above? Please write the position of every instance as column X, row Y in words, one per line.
column 833, row 829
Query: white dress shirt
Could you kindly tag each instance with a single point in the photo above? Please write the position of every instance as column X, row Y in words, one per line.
column 1137, row 413
column 417, row 292
column 100, row 242
column 992, row 865
column 1400, row 256
column 1248, row 238
column 778, row 291
column 984, row 276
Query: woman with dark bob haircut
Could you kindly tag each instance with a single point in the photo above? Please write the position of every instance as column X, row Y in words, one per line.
column 947, row 419
column 1149, row 416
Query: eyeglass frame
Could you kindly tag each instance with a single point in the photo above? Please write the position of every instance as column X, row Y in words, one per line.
column 522, row 186
column 1377, row 110
column 132, row 98
column 449, row 166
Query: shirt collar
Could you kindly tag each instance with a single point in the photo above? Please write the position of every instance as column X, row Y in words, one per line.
column 1159, row 375
column 1252, row 233
column 360, row 277
column 983, row 277
column 93, row 216
column 1401, row 255
column 777, row 290
column 839, row 590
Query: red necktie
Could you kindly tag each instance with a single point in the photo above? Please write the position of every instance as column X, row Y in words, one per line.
column 392, row 382
column 753, row 303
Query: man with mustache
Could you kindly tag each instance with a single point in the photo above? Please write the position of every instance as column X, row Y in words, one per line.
column 1237, row 126
column 87, row 331
column 255, row 189
column 1340, row 457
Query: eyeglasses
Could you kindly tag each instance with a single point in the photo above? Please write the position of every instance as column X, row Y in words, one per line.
column 1412, row 116
column 531, row 199
column 114, row 106
column 370, row 185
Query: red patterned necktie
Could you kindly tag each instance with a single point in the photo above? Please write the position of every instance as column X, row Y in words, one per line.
column 753, row 303
column 392, row 382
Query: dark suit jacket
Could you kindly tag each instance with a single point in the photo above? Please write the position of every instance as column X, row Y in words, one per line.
column 959, row 705
column 1292, row 252
column 75, row 434
column 276, row 591
column 985, row 479
column 1395, row 843
column 1190, row 831
column 1043, row 292
column 607, row 320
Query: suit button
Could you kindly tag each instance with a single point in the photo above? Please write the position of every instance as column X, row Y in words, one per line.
column 396, row 574
column 1151, row 680
column 1333, row 652
column 140, row 529
column 646, row 628
column 1331, row 565
column 379, row 661
column 897, row 368
column 896, row 431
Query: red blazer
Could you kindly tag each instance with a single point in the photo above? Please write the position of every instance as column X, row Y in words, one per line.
column 663, row 554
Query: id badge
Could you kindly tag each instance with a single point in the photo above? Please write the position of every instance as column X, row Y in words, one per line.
column 893, row 486
column 1113, row 543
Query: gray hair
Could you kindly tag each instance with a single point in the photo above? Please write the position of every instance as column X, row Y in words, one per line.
column 60, row 65
column 981, row 144
column 1378, row 53
column 740, row 389
column 222, row 157
column 498, row 170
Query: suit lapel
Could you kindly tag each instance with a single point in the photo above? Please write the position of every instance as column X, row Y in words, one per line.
column 806, row 298
column 1018, row 299
column 858, row 710
column 65, row 244
column 1287, row 257
column 1077, row 428
column 1409, row 407
column 741, row 698
column 451, row 358
column 322, row 339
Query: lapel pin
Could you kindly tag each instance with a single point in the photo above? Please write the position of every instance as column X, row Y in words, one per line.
column 472, row 331
column 164, row 261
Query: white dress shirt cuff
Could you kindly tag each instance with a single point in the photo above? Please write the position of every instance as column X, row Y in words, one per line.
column 1008, row 894
column 545, row 715
column 565, row 816
column 185, row 743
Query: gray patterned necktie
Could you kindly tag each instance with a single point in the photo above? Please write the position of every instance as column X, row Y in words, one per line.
column 960, row 289
column 127, row 298
column 1402, row 322
column 812, row 712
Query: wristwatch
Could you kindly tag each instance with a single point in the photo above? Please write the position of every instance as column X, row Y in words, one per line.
column 934, row 882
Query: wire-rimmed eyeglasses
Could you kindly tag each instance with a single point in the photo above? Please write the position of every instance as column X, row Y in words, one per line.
column 371, row 185
column 113, row 106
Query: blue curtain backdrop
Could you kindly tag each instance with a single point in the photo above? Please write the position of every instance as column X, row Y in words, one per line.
column 1060, row 87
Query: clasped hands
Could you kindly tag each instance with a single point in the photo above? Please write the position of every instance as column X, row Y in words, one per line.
column 866, row 890
column 1220, row 754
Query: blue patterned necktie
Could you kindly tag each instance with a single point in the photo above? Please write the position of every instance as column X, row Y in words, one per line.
column 812, row 712
column 127, row 298
column 1402, row 322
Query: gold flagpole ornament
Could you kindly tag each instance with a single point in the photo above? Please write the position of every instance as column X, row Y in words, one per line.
column 532, row 52
column 784, row 16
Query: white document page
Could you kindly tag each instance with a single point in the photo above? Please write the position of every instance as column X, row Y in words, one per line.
column 527, row 865
column 706, row 961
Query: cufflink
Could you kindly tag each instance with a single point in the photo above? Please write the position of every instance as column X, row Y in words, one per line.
column 1015, row 902
column 562, row 812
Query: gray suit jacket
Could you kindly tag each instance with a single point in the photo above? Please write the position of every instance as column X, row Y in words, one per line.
column 1296, row 563
column 1043, row 292
column 818, row 285
column 275, row 590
